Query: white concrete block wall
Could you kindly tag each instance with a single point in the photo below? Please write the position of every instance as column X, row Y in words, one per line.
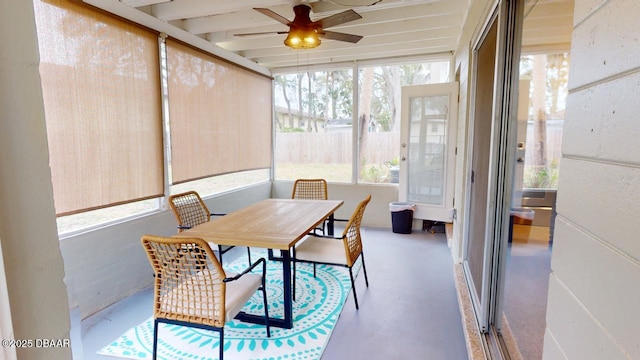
column 594, row 289
column 106, row 265
column 606, row 40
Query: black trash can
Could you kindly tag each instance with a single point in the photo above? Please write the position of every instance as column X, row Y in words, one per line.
column 401, row 217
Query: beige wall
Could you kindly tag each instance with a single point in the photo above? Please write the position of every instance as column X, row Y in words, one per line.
column 594, row 289
column 30, row 250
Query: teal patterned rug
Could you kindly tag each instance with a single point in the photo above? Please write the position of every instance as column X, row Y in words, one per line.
column 318, row 304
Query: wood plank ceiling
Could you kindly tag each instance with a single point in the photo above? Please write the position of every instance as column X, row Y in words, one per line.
column 391, row 28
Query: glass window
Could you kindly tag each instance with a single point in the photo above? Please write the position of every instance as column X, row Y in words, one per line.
column 429, row 119
column 314, row 125
column 102, row 217
column 221, row 183
column 545, row 76
column 379, row 114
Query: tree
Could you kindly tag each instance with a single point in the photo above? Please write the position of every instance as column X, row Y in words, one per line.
column 538, row 101
column 364, row 113
column 283, row 82
column 392, row 88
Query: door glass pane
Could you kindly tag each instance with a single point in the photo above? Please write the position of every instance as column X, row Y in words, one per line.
column 542, row 99
column 427, row 149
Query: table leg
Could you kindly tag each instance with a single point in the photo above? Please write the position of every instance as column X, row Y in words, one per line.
column 287, row 290
column 287, row 322
column 330, row 225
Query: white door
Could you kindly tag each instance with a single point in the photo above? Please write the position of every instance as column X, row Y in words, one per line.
column 427, row 152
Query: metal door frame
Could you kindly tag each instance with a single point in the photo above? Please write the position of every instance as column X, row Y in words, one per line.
column 508, row 14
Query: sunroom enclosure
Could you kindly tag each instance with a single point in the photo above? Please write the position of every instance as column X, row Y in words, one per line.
column 197, row 111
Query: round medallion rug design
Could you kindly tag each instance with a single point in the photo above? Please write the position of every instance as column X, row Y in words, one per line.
column 316, row 310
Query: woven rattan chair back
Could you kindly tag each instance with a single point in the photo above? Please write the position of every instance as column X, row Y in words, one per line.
column 310, row 189
column 190, row 287
column 189, row 209
column 188, row 280
column 327, row 249
column 351, row 234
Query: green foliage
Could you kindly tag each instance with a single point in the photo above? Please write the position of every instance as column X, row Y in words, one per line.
column 541, row 177
column 393, row 162
column 377, row 173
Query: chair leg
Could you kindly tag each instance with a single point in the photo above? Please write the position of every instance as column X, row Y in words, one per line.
column 364, row 268
column 263, row 287
column 266, row 311
column 221, row 344
column 220, row 253
column 294, row 274
column 155, row 338
column 249, row 255
column 314, row 270
column 353, row 287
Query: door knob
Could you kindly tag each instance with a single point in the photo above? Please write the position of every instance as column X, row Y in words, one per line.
column 403, row 158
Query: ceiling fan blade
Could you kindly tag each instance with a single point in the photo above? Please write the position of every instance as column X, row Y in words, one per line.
column 273, row 15
column 338, row 19
column 332, row 35
column 262, row 33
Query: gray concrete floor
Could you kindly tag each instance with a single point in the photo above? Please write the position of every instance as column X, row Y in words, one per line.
column 409, row 311
column 525, row 296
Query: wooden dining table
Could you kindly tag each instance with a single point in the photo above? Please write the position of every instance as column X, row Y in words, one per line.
column 273, row 224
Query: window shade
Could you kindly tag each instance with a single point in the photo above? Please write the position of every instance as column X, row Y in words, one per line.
column 220, row 115
column 101, row 90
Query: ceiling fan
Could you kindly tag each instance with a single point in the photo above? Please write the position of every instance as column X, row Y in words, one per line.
column 304, row 33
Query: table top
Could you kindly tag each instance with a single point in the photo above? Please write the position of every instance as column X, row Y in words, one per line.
column 269, row 224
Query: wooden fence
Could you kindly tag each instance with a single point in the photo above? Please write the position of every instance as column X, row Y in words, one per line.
column 334, row 147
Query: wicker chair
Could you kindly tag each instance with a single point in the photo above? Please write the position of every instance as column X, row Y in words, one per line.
column 190, row 211
column 191, row 288
column 311, row 189
column 340, row 251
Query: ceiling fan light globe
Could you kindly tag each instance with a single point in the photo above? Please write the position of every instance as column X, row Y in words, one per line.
column 311, row 40
column 300, row 39
column 292, row 41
